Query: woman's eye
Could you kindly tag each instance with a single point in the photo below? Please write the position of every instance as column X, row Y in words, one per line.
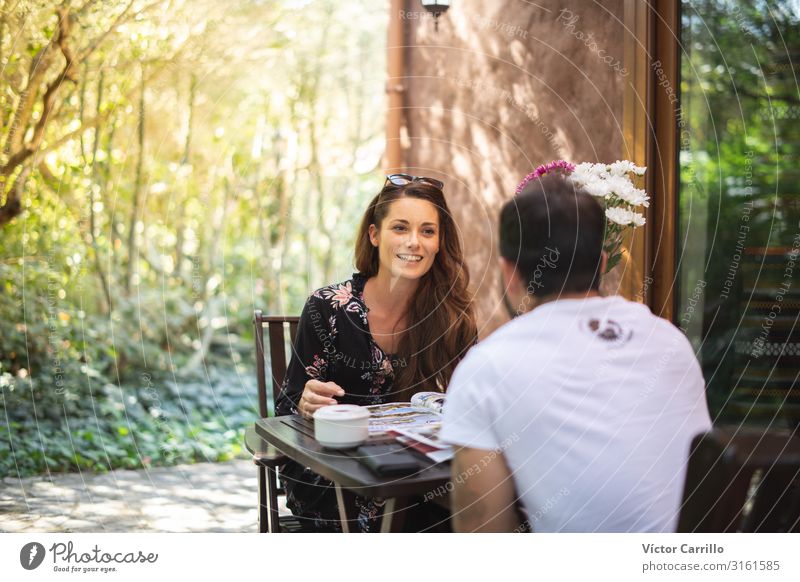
column 399, row 228
column 429, row 232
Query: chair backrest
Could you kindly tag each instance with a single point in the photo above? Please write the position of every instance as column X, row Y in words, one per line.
column 742, row 480
column 277, row 326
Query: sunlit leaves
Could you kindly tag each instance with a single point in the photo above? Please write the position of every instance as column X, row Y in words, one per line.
column 239, row 208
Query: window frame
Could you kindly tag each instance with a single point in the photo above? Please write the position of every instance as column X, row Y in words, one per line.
column 651, row 132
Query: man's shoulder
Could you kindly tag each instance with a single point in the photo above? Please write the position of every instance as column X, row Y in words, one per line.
column 661, row 328
column 511, row 332
column 504, row 345
column 480, row 361
column 657, row 333
column 542, row 330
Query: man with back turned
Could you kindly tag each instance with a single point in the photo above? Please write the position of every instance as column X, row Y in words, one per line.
column 580, row 411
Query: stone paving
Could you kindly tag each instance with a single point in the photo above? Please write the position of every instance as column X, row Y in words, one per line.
column 206, row 497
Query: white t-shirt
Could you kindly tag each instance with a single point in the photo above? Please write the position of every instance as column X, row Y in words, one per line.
column 594, row 403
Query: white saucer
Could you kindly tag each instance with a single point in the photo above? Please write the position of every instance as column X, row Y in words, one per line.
column 350, row 445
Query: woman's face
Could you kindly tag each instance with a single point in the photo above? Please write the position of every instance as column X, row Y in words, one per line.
column 408, row 238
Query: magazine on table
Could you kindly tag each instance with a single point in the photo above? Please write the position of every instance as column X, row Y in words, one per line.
column 424, row 410
column 415, row 424
column 425, row 439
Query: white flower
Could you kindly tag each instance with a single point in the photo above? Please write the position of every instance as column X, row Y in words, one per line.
column 623, row 189
column 592, row 178
column 619, row 185
column 638, row 197
column 625, row 167
column 624, row 217
column 621, row 168
column 598, row 188
column 588, row 171
column 611, row 182
column 619, row 215
column 580, row 180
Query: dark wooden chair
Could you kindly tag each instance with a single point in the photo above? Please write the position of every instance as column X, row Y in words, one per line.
column 266, row 457
column 742, row 480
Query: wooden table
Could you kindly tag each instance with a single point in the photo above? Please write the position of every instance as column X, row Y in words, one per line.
column 294, row 437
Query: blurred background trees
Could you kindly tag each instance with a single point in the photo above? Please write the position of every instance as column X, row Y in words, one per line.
column 166, row 167
column 740, row 204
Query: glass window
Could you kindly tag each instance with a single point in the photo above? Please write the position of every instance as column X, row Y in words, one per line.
column 739, row 204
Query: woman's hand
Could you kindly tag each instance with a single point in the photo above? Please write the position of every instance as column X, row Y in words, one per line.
column 317, row 394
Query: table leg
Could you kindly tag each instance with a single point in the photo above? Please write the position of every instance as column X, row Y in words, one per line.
column 394, row 515
column 263, row 505
column 272, row 498
column 347, row 504
column 388, row 515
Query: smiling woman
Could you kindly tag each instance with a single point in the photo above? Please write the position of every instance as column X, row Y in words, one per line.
column 407, row 242
column 369, row 340
column 428, row 299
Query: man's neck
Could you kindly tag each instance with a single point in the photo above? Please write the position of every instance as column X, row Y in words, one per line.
column 539, row 301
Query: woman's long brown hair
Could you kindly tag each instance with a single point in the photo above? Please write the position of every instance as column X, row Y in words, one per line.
column 440, row 323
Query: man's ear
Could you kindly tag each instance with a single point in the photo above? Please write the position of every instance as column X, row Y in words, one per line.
column 511, row 280
column 374, row 238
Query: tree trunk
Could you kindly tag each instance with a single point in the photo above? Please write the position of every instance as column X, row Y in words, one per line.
column 211, row 304
column 133, row 249
column 186, row 159
column 187, row 144
column 3, row 21
column 108, row 305
column 17, row 150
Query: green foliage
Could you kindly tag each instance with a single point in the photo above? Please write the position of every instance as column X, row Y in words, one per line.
column 739, row 193
column 156, row 423
column 182, row 181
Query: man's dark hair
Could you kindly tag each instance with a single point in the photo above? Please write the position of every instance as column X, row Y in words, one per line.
column 553, row 232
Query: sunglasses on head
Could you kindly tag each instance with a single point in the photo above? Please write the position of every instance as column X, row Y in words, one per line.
column 403, row 179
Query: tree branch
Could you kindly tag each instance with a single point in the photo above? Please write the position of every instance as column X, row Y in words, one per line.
column 119, row 20
column 48, row 177
column 66, row 74
column 85, row 7
column 22, row 115
column 13, row 204
column 67, row 137
column 48, row 99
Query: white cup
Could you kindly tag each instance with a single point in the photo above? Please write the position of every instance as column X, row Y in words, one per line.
column 341, row 426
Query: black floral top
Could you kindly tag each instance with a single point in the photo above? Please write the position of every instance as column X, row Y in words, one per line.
column 333, row 344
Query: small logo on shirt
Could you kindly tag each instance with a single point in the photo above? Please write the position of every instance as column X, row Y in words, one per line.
column 608, row 330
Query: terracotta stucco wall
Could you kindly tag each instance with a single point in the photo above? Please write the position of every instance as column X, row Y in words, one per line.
column 503, row 86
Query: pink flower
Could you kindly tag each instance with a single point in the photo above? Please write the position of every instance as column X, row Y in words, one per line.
column 343, row 295
column 561, row 166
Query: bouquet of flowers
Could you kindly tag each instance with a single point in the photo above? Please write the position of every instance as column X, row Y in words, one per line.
column 612, row 184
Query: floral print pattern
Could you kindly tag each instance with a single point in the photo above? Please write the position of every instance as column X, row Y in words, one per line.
column 333, row 344
column 339, row 295
column 317, row 369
